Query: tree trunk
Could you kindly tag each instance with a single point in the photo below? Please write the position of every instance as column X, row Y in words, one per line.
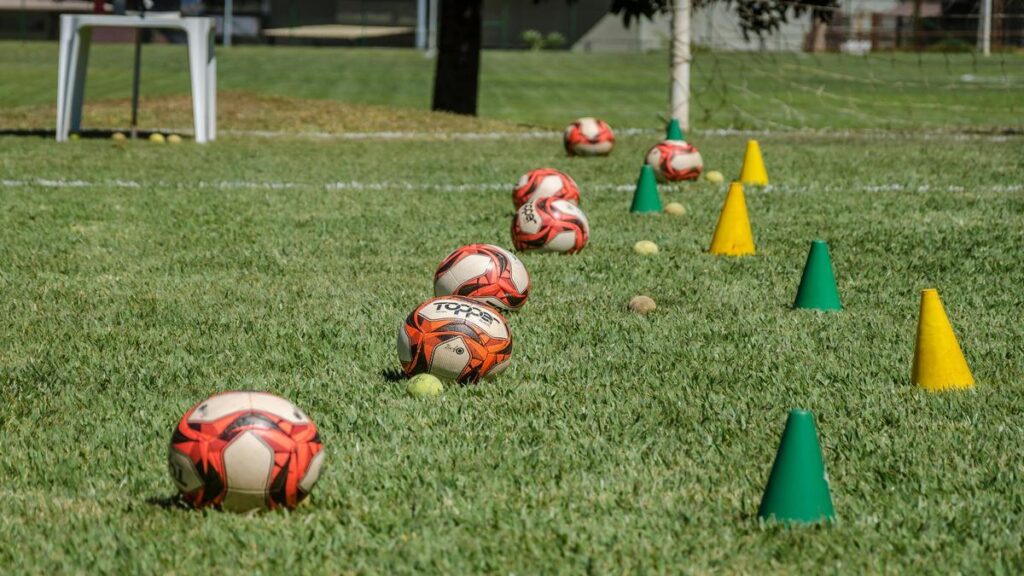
column 680, row 92
column 817, row 40
column 998, row 31
column 458, row 59
column 917, row 25
column 985, row 27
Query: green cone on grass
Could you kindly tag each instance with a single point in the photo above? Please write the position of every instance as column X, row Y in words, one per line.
column 797, row 490
column 673, row 131
column 646, row 199
column 817, row 289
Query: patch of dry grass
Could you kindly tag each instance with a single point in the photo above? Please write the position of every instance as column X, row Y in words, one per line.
column 244, row 111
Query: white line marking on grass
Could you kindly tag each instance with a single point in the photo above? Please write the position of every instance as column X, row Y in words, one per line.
column 475, row 187
column 395, row 135
column 439, row 135
column 412, row 187
column 63, row 183
column 698, row 134
column 242, row 184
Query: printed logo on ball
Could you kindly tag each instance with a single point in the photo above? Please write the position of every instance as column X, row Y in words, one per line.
column 493, row 325
column 462, row 309
column 527, row 218
column 529, row 214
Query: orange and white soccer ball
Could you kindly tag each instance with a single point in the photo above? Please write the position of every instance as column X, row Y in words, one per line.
column 589, row 137
column 675, row 160
column 454, row 338
column 244, row 451
column 484, row 273
column 545, row 183
column 550, row 224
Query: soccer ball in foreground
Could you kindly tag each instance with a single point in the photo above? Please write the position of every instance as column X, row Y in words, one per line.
column 550, row 224
column 245, row 451
column 454, row 338
column 675, row 160
column 544, row 183
column 485, row 273
column 589, row 137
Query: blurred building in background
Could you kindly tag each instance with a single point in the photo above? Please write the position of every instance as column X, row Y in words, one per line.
column 859, row 26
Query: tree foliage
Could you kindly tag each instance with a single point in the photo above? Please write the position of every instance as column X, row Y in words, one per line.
column 757, row 17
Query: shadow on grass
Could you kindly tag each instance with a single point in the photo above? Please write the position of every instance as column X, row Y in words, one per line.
column 173, row 502
column 84, row 134
column 29, row 133
column 392, row 376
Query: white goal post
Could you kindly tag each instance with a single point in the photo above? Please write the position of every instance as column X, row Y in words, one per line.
column 679, row 93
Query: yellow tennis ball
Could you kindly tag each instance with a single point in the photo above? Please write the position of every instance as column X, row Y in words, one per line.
column 174, row 139
column 714, row 176
column 675, row 209
column 424, row 386
column 645, row 247
column 157, row 137
column 642, row 304
column 73, row 136
column 119, row 136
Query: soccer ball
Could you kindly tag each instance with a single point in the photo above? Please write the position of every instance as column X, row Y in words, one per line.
column 545, row 182
column 454, row 338
column 675, row 160
column 485, row 273
column 589, row 137
column 245, row 451
column 550, row 224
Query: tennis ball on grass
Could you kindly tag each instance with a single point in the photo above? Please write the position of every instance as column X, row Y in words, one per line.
column 675, row 209
column 174, row 139
column 641, row 304
column 645, row 248
column 157, row 138
column 714, row 176
column 424, row 386
column 119, row 136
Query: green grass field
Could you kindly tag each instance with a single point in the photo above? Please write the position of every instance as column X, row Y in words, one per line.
column 745, row 91
column 137, row 279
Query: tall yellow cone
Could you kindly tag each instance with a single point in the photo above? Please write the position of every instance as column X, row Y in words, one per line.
column 939, row 362
column 753, row 166
column 732, row 235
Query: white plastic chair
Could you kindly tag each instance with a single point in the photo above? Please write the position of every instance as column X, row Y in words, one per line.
column 76, row 37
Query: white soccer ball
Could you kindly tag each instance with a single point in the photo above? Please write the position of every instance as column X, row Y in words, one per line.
column 544, row 183
column 588, row 137
column 244, row 451
column 550, row 224
column 675, row 160
column 486, row 273
column 454, row 338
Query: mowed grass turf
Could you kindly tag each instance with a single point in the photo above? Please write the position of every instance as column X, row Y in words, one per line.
column 138, row 279
column 745, row 91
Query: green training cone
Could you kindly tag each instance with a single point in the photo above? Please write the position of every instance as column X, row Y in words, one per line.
column 817, row 289
column 797, row 491
column 646, row 199
column 673, row 131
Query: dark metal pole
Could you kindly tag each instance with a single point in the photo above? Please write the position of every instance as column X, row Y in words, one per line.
column 135, row 84
column 136, row 73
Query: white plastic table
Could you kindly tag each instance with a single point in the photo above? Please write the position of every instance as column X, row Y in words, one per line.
column 76, row 37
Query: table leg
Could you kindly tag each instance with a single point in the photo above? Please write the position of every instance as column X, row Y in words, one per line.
column 211, row 88
column 67, row 32
column 198, row 50
column 79, row 61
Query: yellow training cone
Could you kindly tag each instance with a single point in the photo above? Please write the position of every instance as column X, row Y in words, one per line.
column 939, row 362
column 732, row 235
column 753, row 166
